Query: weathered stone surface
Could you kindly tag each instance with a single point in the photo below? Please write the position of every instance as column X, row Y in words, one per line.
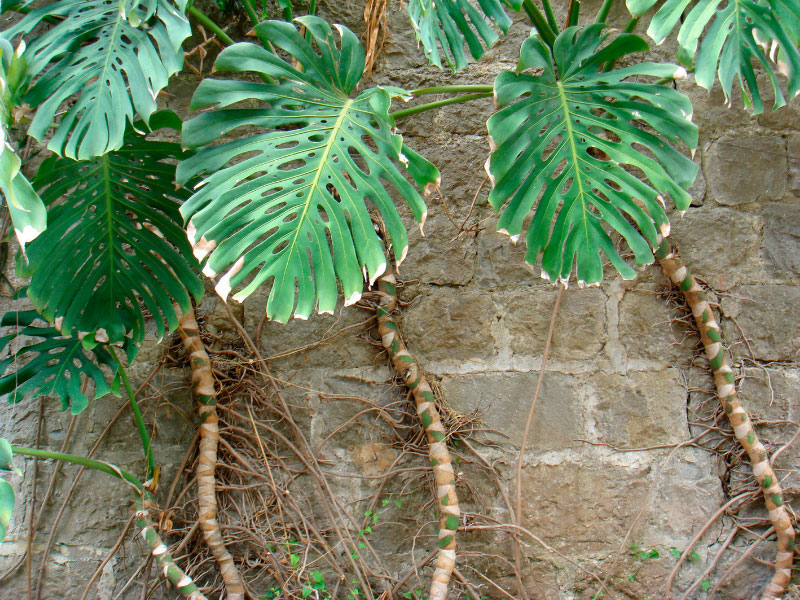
column 501, row 264
column 502, row 401
column 767, row 315
column 793, row 148
column 648, row 329
column 373, row 459
column 449, row 325
column 442, row 260
column 296, row 344
column 637, row 409
column 711, row 113
column 782, row 238
column 772, row 395
column 699, row 188
column 580, row 327
column 741, row 169
column 720, row 245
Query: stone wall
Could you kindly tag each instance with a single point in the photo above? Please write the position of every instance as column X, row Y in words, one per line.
column 625, row 383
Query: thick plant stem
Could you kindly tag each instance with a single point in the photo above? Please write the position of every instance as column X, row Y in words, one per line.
column 203, row 388
column 411, row 372
column 738, row 417
column 539, row 22
column 602, row 14
column 216, row 29
column 171, row 571
column 251, row 14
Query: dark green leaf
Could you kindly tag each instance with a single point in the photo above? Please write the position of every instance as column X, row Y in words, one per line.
column 53, row 365
column 566, row 139
column 118, row 215
column 116, row 55
column 289, row 203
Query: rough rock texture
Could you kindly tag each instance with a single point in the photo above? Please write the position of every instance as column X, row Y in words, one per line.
column 623, row 374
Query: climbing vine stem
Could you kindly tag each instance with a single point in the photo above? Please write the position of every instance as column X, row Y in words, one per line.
column 711, row 336
column 171, row 571
column 602, row 14
column 206, row 396
column 411, row 372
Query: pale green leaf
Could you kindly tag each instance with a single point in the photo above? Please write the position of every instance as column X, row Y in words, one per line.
column 732, row 36
column 52, row 365
column 115, row 55
column 567, row 142
column 445, row 26
column 119, row 216
column 6, row 456
column 292, row 202
column 6, row 506
column 24, row 205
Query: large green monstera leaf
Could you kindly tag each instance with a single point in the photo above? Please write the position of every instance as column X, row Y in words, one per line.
column 24, row 205
column 290, row 202
column 115, row 246
column 53, row 364
column 116, row 55
column 590, row 150
column 449, row 24
column 738, row 31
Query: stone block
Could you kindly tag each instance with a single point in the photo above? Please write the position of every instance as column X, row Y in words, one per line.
column 721, row 245
column 501, row 401
column 648, row 330
column 742, row 169
column 449, row 325
column 793, row 149
column 781, row 240
column 580, row 330
column 773, row 395
column 437, row 259
column 501, row 264
column 711, row 113
column 295, row 344
column 767, row 315
column 637, row 409
column 341, row 408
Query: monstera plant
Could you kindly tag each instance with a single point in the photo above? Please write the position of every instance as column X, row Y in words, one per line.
column 290, row 179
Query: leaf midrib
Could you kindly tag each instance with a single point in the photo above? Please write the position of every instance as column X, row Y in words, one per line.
column 575, row 159
column 110, row 222
column 313, row 186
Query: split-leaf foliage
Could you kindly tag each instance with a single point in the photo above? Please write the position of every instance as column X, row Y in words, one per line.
column 116, row 55
column 738, row 34
column 121, row 210
column 296, row 208
column 566, row 138
column 52, row 364
column 294, row 156
column 444, row 27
